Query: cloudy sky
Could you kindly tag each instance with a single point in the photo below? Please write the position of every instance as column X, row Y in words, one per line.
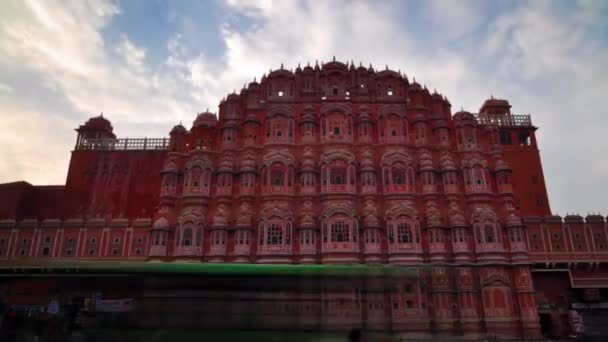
column 148, row 64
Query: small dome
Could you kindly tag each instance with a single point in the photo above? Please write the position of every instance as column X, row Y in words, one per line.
column 169, row 166
column 440, row 124
column 226, row 165
column 419, row 117
column 367, row 161
column 98, row 123
column 281, row 72
column 371, row 221
column 253, row 85
column 161, row 223
column 178, row 129
column 426, row 162
column 248, row 164
column 243, row 221
column 233, row 97
column 495, row 106
column 205, row 119
column 436, row 96
column 456, row 219
column 463, row 115
column 335, row 65
column 495, row 102
column 433, row 217
column 308, row 69
column 415, row 86
column 219, row 221
column 447, row 163
column 388, row 73
column 308, row 117
column 502, row 165
column 309, row 163
column 307, row 222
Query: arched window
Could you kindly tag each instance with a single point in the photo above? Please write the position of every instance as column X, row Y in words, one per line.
column 279, row 128
column 339, row 231
column 420, row 136
column 404, row 233
column 229, row 136
column 195, row 179
column 487, row 232
column 187, row 237
column 277, row 177
column 515, row 234
column 307, row 237
column 206, row 181
column 169, row 183
column 336, row 126
column 403, row 230
column 398, row 175
column 467, row 137
column 476, row 178
column 459, row 235
column 337, row 175
column 392, row 128
column 308, row 130
column 274, row 235
column 247, row 182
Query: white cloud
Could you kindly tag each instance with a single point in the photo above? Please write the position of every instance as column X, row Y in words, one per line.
column 453, row 19
column 134, row 56
column 31, row 148
column 64, row 45
column 557, row 50
column 5, row 89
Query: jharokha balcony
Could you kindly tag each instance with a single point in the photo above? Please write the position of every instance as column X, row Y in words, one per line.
column 158, row 251
column 399, row 188
column 339, row 188
column 278, row 189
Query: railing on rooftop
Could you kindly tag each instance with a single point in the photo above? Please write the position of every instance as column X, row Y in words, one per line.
column 124, row 144
column 504, row 120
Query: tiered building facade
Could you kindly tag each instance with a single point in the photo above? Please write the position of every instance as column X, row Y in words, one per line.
column 328, row 164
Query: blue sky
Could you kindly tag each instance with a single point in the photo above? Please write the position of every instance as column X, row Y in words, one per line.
column 149, row 64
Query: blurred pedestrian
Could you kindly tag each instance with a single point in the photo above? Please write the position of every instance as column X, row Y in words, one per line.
column 355, row 335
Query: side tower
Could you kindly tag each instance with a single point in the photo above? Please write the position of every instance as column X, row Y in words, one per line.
column 517, row 137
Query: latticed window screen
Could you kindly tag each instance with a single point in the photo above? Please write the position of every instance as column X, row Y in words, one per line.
column 489, row 233
column 338, row 175
column 187, row 239
column 274, row 234
column 398, row 176
column 404, row 233
column 339, row 231
column 277, row 177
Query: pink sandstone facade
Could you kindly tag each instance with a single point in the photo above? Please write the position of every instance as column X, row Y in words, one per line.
column 329, row 164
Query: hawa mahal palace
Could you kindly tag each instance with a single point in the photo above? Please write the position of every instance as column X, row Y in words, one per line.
column 331, row 164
